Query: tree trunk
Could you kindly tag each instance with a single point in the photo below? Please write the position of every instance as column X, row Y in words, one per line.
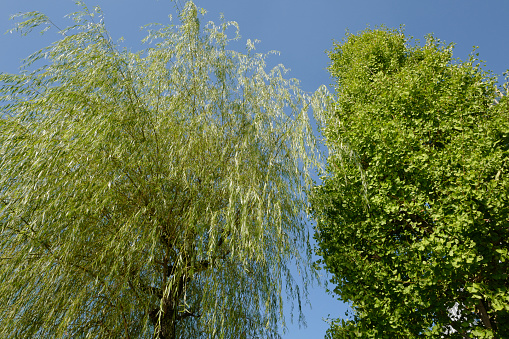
column 166, row 328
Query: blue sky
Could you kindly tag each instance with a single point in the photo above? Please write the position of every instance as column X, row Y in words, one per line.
column 302, row 31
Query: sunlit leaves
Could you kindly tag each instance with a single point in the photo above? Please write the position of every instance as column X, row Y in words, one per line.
column 157, row 193
column 413, row 222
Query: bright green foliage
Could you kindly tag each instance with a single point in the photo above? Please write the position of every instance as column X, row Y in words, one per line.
column 151, row 194
column 415, row 219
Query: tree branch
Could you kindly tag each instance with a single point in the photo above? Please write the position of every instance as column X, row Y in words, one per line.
column 484, row 315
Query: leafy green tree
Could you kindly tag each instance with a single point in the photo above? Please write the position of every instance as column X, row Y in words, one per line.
column 413, row 213
column 151, row 194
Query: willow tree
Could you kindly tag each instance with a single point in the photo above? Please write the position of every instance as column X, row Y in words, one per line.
column 151, row 194
column 414, row 226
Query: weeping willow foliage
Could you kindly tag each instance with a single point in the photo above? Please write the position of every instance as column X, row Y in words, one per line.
column 151, row 194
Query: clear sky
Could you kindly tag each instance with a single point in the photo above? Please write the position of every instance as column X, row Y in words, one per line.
column 302, row 31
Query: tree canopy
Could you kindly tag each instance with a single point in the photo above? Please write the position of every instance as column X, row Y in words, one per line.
column 413, row 212
column 158, row 193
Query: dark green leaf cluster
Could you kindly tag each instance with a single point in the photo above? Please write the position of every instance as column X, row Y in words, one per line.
column 413, row 223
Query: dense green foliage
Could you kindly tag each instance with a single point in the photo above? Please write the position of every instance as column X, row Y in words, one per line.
column 151, row 194
column 413, row 215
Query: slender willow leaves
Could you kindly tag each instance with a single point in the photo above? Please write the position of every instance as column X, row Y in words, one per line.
column 151, row 194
